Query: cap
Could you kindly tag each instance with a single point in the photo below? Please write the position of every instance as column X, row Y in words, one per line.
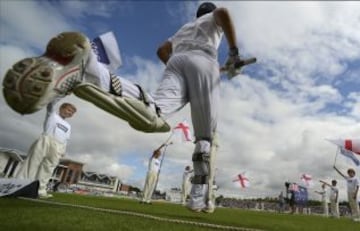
column 205, row 8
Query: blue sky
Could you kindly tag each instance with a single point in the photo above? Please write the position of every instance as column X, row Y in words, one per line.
column 274, row 118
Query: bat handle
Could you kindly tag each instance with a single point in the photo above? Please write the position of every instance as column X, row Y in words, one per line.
column 245, row 62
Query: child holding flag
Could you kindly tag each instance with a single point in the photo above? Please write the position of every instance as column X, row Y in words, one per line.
column 152, row 175
column 324, row 200
column 334, row 195
column 352, row 191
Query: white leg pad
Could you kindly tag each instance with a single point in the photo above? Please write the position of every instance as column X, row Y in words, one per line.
column 135, row 112
column 213, row 152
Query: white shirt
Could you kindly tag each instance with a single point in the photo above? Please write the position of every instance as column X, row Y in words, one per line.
column 187, row 175
column 352, row 183
column 56, row 126
column 333, row 192
column 154, row 165
column 323, row 195
column 202, row 33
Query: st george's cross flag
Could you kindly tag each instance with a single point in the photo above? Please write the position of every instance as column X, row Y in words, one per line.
column 306, row 179
column 242, row 181
column 182, row 131
column 350, row 155
column 348, row 144
column 348, row 148
column 107, row 51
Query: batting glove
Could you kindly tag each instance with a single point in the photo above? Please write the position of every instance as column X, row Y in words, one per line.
column 232, row 66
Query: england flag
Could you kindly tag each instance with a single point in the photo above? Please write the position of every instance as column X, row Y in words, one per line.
column 241, row 181
column 350, row 155
column 182, row 131
column 348, row 144
column 349, row 148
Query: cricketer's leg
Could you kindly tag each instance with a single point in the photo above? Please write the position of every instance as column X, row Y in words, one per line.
column 139, row 116
column 48, row 164
column 201, row 165
column 210, row 197
column 69, row 61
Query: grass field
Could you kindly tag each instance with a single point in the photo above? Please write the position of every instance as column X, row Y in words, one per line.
column 19, row 214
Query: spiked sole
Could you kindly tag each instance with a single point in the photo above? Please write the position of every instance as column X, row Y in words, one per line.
column 27, row 84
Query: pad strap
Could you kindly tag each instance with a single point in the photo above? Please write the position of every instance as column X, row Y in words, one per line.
column 115, row 85
column 143, row 96
column 197, row 179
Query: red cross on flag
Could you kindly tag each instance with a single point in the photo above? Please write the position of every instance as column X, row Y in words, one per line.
column 242, row 181
column 182, row 130
column 349, row 144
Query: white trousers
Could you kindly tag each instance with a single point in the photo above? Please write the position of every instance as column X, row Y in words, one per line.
column 354, row 206
column 151, row 178
column 334, row 208
column 43, row 157
column 325, row 208
column 192, row 77
column 186, row 187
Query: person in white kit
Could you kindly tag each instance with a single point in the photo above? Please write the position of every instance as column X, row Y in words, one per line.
column 334, row 198
column 323, row 194
column 152, row 175
column 45, row 153
column 192, row 75
column 186, row 184
column 353, row 185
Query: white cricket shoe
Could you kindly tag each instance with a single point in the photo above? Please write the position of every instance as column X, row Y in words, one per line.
column 210, row 208
column 45, row 196
column 34, row 82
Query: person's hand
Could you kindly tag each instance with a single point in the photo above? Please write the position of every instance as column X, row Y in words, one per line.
column 234, row 63
column 231, row 66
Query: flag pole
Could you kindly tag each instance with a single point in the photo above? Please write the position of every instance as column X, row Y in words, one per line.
column 337, row 152
column 166, row 143
column 161, row 162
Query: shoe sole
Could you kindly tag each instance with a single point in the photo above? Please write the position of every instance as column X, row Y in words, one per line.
column 207, row 210
column 196, row 210
column 33, row 82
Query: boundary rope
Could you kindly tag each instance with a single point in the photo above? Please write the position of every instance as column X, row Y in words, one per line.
column 156, row 218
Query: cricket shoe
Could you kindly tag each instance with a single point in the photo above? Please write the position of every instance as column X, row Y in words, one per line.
column 194, row 209
column 45, row 196
column 209, row 208
column 34, row 82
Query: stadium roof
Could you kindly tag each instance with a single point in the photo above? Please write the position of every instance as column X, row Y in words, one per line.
column 16, row 154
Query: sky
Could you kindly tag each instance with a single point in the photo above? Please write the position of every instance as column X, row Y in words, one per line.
column 274, row 118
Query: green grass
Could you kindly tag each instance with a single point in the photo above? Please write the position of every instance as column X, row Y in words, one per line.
column 18, row 214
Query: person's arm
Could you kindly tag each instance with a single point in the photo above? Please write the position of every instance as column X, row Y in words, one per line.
column 341, row 174
column 164, row 51
column 50, row 110
column 336, row 195
column 223, row 19
column 356, row 190
column 160, row 147
column 233, row 63
column 325, row 183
